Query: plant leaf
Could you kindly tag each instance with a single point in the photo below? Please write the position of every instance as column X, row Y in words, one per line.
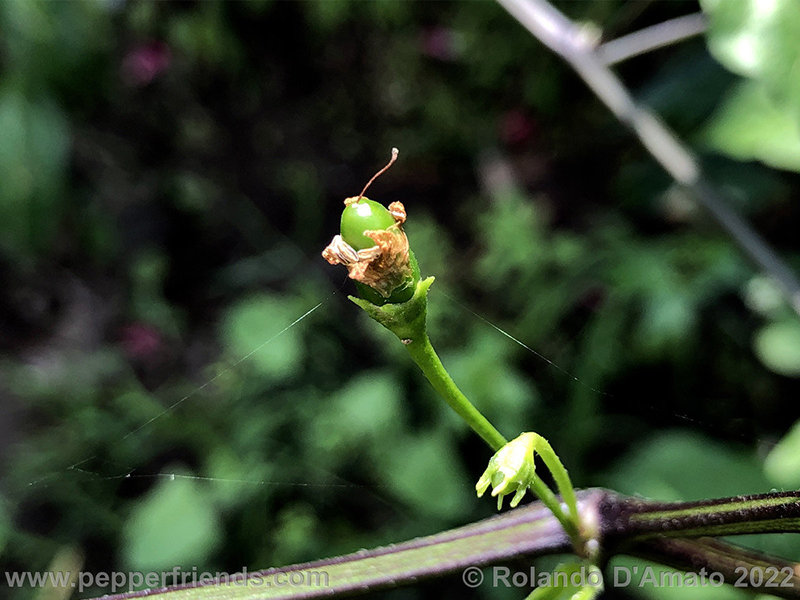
column 176, row 524
column 751, row 125
column 778, row 347
column 782, row 465
column 759, row 40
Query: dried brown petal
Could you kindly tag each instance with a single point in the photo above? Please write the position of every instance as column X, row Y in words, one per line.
column 383, row 267
column 339, row 252
column 398, row 211
column 389, row 269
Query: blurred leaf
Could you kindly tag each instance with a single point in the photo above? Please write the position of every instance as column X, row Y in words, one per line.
column 762, row 295
column 677, row 465
column 666, row 93
column 777, row 345
column 229, row 469
column 203, row 35
column 750, row 125
column 667, row 319
column 5, row 524
column 33, row 156
column 431, row 244
column 512, row 233
column 300, row 182
column 55, row 43
column 645, row 578
column 148, row 273
column 566, row 583
column 193, row 192
column 782, row 465
column 326, row 15
column 294, row 533
column 427, row 475
column 174, row 525
column 484, row 373
column 255, row 327
column 364, row 411
column 759, row 39
column 136, row 405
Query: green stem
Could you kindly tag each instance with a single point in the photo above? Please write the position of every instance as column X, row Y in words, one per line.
column 407, row 320
column 550, row 500
column 428, row 361
column 563, row 483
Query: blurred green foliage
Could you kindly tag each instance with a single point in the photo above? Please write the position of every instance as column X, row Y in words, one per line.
column 169, row 174
column 175, row 524
column 758, row 40
column 759, row 119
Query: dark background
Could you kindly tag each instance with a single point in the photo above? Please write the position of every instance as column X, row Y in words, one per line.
column 170, row 172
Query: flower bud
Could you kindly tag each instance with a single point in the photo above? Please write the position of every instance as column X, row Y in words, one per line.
column 511, row 469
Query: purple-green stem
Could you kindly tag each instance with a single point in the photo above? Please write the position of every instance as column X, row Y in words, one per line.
column 624, row 525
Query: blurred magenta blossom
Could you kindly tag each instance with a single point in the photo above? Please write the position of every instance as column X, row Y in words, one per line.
column 145, row 62
column 140, row 340
column 516, row 127
column 441, row 43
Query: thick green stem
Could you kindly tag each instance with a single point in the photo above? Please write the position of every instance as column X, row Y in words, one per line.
column 428, row 361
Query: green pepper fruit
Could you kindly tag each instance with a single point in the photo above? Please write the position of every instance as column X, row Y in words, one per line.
column 362, row 216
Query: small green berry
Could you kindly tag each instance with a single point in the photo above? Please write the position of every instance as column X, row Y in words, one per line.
column 361, row 216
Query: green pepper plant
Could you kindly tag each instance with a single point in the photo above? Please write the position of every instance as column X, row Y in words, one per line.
column 592, row 524
column 375, row 250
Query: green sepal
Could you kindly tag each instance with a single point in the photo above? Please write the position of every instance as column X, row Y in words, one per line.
column 404, row 319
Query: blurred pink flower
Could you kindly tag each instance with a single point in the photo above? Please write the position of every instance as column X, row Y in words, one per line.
column 516, row 127
column 441, row 43
column 145, row 62
column 140, row 340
